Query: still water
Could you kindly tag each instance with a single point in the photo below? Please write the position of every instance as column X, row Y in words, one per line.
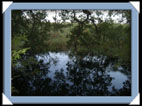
column 58, row 61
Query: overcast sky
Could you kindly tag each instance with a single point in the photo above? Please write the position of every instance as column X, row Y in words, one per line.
column 51, row 14
column 115, row 18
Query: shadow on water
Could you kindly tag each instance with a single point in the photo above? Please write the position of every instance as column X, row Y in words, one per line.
column 58, row 74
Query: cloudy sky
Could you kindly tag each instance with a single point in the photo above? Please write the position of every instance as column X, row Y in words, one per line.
column 51, row 14
column 115, row 18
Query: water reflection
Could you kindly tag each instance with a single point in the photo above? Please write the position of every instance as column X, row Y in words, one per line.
column 59, row 74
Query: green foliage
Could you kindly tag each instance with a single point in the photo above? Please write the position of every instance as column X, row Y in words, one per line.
column 113, row 40
column 118, row 42
column 18, row 41
column 16, row 54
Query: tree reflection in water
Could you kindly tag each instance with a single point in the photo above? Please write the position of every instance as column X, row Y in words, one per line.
column 82, row 77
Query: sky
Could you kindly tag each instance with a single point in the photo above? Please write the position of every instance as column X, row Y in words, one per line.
column 51, row 14
column 115, row 18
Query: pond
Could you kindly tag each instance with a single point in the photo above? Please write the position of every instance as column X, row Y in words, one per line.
column 87, row 73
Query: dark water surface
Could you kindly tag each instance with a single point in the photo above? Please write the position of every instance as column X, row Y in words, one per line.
column 83, row 75
column 64, row 74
